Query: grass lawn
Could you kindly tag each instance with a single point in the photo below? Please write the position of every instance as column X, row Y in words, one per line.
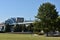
column 8, row 36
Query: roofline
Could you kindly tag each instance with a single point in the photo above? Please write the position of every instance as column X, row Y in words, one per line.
column 21, row 23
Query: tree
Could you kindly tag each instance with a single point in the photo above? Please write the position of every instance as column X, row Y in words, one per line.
column 8, row 28
column 47, row 11
column 37, row 26
column 57, row 23
column 30, row 27
column 47, row 14
column 18, row 28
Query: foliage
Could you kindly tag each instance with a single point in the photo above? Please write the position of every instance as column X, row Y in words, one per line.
column 18, row 28
column 47, row 15
column 8, row 28
column 47, row 11
column 30, row 27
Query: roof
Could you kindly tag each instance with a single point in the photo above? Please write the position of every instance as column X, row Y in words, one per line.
column 1, row 24
column 22, row 23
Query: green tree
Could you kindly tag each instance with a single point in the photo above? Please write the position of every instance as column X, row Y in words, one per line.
column 8, row 28
column 18, row 28
column 57, row 24
column 47, row 14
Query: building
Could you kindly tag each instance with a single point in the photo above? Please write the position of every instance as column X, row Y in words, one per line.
column 2, row 27
column 18, row 24
column 18, row 19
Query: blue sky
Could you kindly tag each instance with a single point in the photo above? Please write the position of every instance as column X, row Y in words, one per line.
column 22, row 8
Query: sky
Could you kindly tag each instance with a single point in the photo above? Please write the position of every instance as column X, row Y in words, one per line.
column 23, row 8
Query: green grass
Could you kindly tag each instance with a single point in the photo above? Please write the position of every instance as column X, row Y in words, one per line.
column 8, row 36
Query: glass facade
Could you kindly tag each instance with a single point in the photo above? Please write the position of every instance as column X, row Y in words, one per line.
column 20, row 19
column 14, row 20
column 10, row 21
